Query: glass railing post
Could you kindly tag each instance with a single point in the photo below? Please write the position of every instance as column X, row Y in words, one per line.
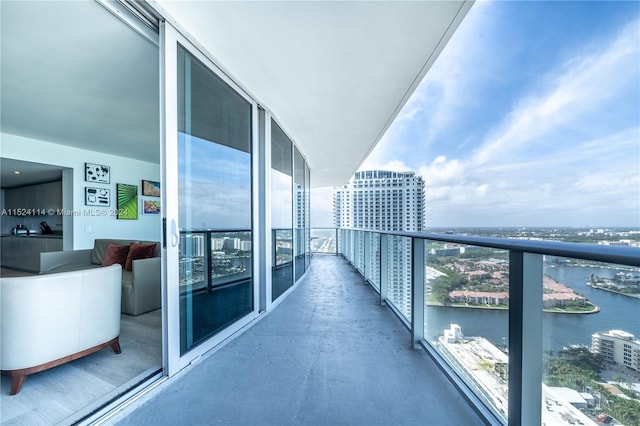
column 338, row 240
column 384, row 273
column 525, row 338
column 417, row 291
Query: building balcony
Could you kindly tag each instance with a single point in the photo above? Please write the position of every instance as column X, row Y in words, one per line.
column 329, row 354
column 348, row 345
column 503, row 355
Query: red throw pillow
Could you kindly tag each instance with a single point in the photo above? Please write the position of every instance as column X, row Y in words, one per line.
column 116, row 253
column 139, row 251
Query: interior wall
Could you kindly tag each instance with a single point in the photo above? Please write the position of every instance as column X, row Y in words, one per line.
column 87, row 223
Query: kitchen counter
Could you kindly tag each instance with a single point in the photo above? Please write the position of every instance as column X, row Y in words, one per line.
column 23, row 251
column 56, row 236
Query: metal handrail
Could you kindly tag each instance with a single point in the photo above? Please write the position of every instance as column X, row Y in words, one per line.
column 525, row 319
column 623, row 255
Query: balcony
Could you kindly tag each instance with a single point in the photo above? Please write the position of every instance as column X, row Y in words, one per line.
column 332, row 352
column 329, row 354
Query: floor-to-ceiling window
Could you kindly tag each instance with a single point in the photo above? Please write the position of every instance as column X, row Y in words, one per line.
column 281, row 211
column 215, row 202
column 299, row 212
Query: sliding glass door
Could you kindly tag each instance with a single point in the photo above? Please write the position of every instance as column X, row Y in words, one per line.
column 281, row 211
column 209, row 134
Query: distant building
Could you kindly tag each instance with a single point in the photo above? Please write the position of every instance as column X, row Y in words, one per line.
column 480, row 297
column 453, row 334
column 231, row 244
column 191, row 245
column 571, row 396
column 385, row 201
column 486, row 367
column 455, row 251
column 618, row 347
column 381, row 200
column 560, row 300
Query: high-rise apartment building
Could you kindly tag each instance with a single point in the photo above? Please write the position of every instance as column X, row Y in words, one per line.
column 382, row 200
column 385, row 201
column 617, row 346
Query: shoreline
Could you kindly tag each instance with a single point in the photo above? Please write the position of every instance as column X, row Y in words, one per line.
column 595, row 309
column 632, row 295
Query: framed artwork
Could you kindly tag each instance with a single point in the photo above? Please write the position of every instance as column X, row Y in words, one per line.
column 97, row 173
column 127, row 196
column 151, row 207
column 150, row 188
column 97, row 197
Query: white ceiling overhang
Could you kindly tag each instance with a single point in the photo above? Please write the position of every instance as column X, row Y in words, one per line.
column 74, row 74
column 334, row 74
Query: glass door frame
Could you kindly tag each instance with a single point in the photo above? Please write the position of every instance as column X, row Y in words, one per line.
column 170, row 38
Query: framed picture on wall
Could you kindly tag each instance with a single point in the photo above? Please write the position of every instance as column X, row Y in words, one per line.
column 150, row 188
column 127, row 196
column 97, row 173
column 151, row 206
column 97, row 197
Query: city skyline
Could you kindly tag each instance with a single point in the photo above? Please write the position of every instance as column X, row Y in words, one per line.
column 529, row 117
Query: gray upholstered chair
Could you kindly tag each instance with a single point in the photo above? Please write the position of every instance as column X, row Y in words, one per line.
column 141, row 286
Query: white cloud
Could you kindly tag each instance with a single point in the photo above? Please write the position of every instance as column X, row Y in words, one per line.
column 442, row 171
column 537, row 167
column 568, row 97
column 567, row 154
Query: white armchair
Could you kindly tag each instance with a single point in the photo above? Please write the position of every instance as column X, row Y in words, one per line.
column 47, row 320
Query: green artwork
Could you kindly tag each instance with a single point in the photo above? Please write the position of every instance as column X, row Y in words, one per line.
column 127, row 201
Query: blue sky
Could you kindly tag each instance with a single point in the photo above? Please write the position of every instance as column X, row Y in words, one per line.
column 529, row 117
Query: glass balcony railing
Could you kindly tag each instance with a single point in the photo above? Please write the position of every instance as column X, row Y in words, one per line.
column 282, row 269
column 324, row 240
column 532, row 331
column 210, row 259
column 215, row 268
column 399, row 274
column 372, row 256
column 467, row 316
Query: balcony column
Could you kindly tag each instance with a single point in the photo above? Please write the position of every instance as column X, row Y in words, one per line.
column 525, row 338
column 417, row 291
column 384, row 264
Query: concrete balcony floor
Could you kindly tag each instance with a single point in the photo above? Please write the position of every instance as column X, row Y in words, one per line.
column 328, row 355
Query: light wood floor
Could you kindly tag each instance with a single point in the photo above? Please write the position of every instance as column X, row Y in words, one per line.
column 52, row 396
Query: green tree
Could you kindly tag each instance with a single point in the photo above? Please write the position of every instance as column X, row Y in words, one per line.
column 618, row 379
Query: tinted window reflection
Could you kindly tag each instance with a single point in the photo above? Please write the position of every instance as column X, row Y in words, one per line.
column 214, row 184
column 281, row 211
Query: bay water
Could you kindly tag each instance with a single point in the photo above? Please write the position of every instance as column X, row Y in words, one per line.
column 559, row 330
